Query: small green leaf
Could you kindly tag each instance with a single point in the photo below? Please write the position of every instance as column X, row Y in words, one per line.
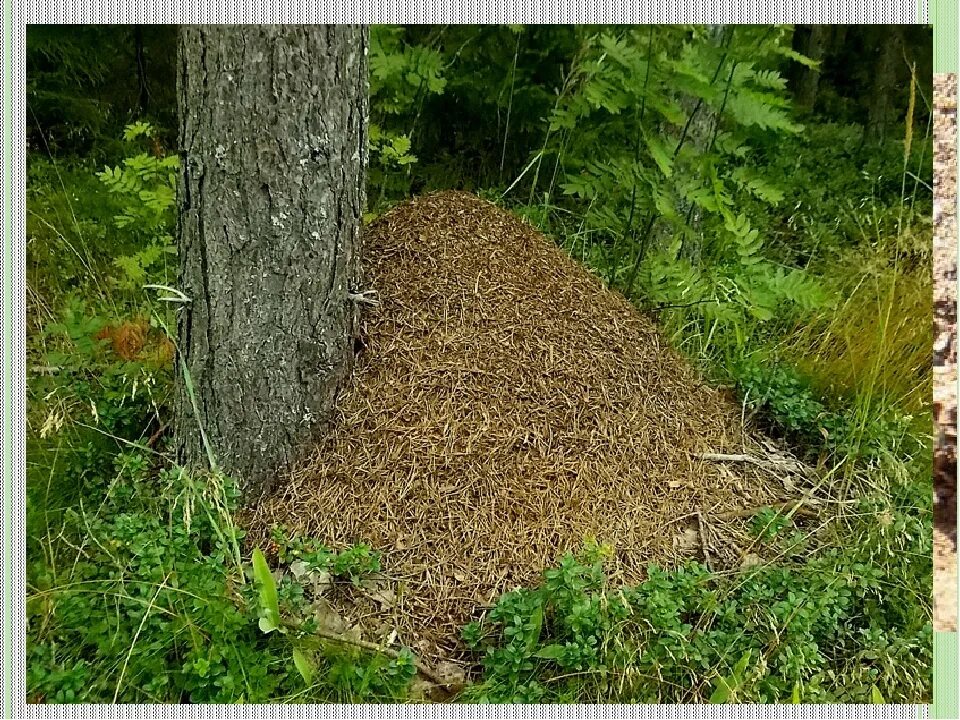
column 536, row 623
column 795, row 696
column 268, row 593
column 132, row 132
column 726, row 687
column 721, row 692
column 304, row 666
column 550, row 652
column 875, row 696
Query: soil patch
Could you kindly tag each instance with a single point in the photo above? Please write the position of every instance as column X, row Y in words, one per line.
column 507, row 407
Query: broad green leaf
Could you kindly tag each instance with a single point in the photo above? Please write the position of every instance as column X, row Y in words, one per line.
column 401, row 144
column 550, row 652
column 304, row 666
column 875, row 696
column 659, row 153
column 741, row 666
column 536, row 622
column 268, row 592
column 726, row 687
column 722, row 690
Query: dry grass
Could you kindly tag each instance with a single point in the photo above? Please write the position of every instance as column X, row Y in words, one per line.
column 507, row 407
column 847, row 349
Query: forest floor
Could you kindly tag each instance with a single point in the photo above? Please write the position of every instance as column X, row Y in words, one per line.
column 945, row 351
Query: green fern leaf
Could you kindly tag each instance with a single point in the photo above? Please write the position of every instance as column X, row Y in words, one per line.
column 661, row 155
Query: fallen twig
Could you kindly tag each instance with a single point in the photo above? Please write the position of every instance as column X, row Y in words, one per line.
column 156, row 436
column 723, row 457
column 366, row 297
column 787, row 464
column 800, row 507
column 702, row 532
column 422, row 668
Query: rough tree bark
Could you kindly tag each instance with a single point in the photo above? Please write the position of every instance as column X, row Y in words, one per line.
column 812, row 41
column 699, row 132
column 143, row 98
column 882, row 109
column 273, row 157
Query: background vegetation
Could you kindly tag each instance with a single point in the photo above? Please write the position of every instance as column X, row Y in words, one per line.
column 764, row 192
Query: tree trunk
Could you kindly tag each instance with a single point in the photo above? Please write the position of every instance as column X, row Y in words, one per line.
column 813, row 46
column 143, row 98
column 881, row 108
column 273, row 160
column 703, row 120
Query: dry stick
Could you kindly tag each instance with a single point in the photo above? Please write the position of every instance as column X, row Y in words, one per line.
column 759, row 462
column 702, row 532
column 373, row 647
column 800, row 506
column 796, row 505
column 506, row 127
column 724, row 457
column 156, row 436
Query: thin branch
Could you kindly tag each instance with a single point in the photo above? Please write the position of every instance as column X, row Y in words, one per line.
column 702, row 532
column 421, row 667
column 628, row 228
column 798, row 507
column 506, row 127
column 658, row 308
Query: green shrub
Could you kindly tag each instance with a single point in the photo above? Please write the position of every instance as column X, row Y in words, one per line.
column 831, row 629
column 145, row 601
column 788, row 402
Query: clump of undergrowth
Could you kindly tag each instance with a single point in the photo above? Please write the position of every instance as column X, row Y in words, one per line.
column 146, row 596
column 846, row 622
column 139, row 588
